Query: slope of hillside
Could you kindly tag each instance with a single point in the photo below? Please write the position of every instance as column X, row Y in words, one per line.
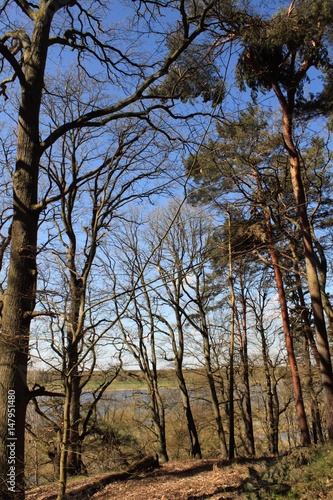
column 305, row 474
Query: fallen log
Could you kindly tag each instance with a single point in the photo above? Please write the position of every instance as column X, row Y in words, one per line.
column 85, row 491
column 147, row 464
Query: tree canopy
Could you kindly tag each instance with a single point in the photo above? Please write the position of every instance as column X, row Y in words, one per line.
column 108, row 109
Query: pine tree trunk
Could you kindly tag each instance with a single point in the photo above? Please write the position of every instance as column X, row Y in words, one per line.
column 315, row 412
column 304, row 429
column 300, row 408
column 311, row 270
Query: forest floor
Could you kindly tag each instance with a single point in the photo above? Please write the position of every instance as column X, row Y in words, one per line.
column 305, row 474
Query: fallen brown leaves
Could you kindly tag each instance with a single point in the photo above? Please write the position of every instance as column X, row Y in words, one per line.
column 189, row 480
column 178, row 480
column 304, row 472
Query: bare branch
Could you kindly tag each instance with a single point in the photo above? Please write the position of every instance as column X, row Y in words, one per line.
column 16, row 67
column 110, row 113
column 26, row 8
column 39, row 390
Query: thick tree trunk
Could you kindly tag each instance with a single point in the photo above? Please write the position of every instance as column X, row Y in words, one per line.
column 315, row 411
column 195, row 450
column 309, row 342
column 19, row 302
column 75, row 464
column 159, row 425
column 322, row 277
column 75, row 333
column 157, row 409
column 306, row 320
column 19, row 299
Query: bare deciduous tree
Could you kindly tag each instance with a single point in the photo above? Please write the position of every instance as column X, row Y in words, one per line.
column 31, row 36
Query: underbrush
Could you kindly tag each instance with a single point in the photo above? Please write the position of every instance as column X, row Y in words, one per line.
column 303, row 474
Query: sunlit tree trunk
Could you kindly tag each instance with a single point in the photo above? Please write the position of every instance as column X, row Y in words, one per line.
column 310, row 258
column 309, row 343
column 305, row 434
column 317, row 431
column 300, row 408
column 286, row 80
column 19, row 298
